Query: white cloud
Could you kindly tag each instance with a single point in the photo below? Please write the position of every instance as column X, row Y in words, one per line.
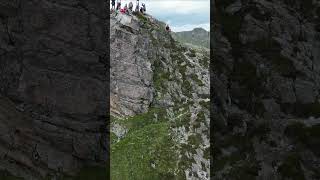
column 179, row 7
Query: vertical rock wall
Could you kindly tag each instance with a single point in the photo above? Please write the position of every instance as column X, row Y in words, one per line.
column 53, row 86
column 131, row 73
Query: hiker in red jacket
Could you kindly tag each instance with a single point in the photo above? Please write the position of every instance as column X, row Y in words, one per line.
column 124, row 9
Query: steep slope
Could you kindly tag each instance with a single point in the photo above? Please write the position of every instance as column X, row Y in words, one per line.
column 197, row 37
column 159, row 103
column 266, row 67
column 53, row 88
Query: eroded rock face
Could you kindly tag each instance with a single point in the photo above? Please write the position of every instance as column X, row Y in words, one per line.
column 131, row 73
column 53, row 87
column 266, row 89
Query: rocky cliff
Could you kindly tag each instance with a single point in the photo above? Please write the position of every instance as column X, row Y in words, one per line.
column 265, row 82
column 159, row 103
column 53, row 88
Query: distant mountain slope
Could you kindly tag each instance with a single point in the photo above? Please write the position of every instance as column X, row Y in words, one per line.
column 197, row 37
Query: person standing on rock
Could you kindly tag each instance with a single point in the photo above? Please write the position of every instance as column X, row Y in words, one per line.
column 144, row 8
column 113, row 4
column 137, row 7
column 118, row 5
column 130, row 7
column 167, row 28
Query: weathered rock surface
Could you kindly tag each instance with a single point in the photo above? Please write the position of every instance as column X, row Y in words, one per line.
column 53, row 87
column 265, row 82
column 131, row 73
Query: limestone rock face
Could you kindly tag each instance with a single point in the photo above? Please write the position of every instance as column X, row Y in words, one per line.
column 53, row 87
column 265, row 82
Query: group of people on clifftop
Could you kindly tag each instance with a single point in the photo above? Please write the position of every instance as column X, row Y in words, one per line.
column 116, row 6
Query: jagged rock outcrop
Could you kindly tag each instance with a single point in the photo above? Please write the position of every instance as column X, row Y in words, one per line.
column 53, row 87
column 265, row 84
column 159, row 103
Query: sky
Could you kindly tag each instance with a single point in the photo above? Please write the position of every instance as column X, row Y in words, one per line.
column 181, row 15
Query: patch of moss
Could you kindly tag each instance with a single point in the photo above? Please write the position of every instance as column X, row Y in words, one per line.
column 183, row 120
column 185, row 162
column 201, row 117
column 195, row 140
column 191, row 53
column 142, row 18
column 142, row 120
column 132, row 157
column 187, row 88
column 159, row 79
column 183, row 69
column 159, row 75
column 205, row 61
column 194, row 77
column 206, row 153
column 291, row 168
column 113, row 138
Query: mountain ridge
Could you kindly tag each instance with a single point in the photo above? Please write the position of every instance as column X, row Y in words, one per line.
column 198, row 37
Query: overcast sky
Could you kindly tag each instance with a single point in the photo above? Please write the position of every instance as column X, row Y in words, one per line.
column 181, row 15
